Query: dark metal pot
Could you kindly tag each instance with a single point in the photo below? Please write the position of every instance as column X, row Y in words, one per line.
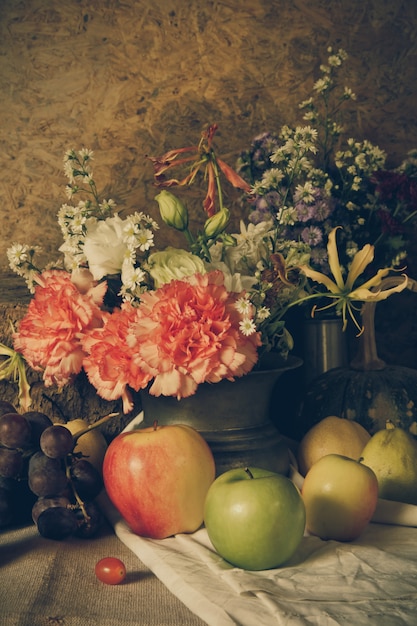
column 233, row 417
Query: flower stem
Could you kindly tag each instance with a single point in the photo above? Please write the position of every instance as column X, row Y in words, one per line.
column 189, row 237
column 217, row 177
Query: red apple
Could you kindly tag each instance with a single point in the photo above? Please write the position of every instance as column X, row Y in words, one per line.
column 158, row 478
column 340, row 497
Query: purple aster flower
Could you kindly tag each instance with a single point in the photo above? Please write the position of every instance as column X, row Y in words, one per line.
column 261, row 149
column 262, row 203
column 322, row 209
column 318, row 259
column 256, row 217
column 304, row 211
column 312, row 235
column 264, row 206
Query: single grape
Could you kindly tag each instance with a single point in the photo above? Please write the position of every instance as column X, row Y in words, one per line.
column 6, row 507
column 57, row 523
column 86, row 479
column 38, row 422
column 46, row 476
column 11, row 463
column 88, row 527
column 6, row 407
column 15, row 431
column 56, row 441
column 42, row 504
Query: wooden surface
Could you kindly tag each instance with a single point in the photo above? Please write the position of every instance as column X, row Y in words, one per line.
column 137, row 77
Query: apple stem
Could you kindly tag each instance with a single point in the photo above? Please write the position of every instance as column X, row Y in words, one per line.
column 249, row 473
column 99, row 422
column 155, row 425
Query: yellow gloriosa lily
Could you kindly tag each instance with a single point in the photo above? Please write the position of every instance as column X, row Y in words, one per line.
column 343, row 292
column 14, row 368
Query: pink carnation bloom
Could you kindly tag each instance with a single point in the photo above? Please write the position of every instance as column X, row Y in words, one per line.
column 187, row 333
column 110, row 366
column 184, row 333
column 58, row 315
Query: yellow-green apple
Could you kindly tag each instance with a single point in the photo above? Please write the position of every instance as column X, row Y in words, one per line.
column 254, row 518
column 340, row 496
column 158, row 478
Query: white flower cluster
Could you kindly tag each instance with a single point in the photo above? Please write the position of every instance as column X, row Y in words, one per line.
column 252, row 245
column 20, row 257
column 357, row 162
column 243, row 266
column 326, row 83
column 94, row 235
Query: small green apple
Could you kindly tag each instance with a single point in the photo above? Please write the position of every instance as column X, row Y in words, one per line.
column 340, row 497
column 254, row 518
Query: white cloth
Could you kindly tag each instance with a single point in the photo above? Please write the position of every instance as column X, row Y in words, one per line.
column 372, row 580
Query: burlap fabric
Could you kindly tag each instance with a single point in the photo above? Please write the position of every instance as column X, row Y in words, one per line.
column 50, row 583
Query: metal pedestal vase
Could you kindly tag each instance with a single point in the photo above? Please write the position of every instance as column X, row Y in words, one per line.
column 233, row 417
column 368, row 390
column 325, row 347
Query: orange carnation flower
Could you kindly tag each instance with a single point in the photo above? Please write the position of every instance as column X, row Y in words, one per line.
column 182, row 334
column 188, row 332
column 110, row 366
column 57, row 317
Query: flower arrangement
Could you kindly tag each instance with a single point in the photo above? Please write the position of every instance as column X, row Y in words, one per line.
column 310, row 179
column 134, row 317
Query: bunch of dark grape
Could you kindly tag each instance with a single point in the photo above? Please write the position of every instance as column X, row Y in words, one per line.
column 19, row 439
column 39, row 471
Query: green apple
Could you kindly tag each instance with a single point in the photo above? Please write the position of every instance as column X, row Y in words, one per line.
column 340, row 497
column 254, row 518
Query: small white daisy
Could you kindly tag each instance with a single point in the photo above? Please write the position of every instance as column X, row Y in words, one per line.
column 247, row 326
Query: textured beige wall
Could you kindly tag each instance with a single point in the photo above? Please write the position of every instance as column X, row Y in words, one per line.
column 134, row 77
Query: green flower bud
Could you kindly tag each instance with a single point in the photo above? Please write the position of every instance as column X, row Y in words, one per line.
column 216, row 224
column 172, row 210
column 228, row 240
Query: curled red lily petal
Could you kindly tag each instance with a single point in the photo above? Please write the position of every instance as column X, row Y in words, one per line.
column 209, row 200
column 280, row 268
column 233, row 177
column 201, row 155
column 161, row 181
column 208, row 135
column 161, row 165
column 166, row 159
